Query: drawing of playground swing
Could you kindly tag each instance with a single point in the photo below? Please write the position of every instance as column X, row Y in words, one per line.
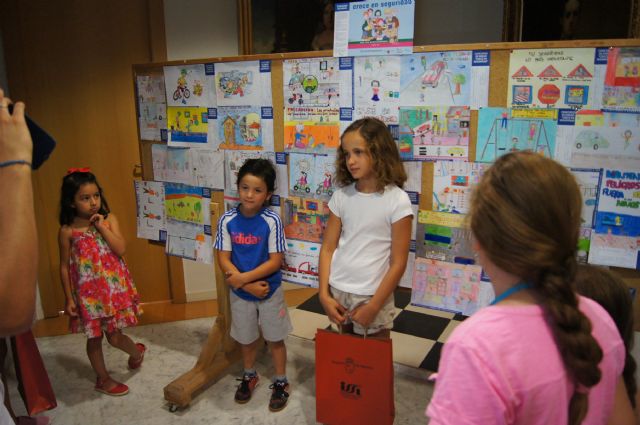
column 502, row 130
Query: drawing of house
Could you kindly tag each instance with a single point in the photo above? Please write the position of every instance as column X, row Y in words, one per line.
column 229, row 125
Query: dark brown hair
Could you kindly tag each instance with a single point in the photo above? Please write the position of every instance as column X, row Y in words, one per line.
column 613, row 295
column 385, row 158
column 525, row 214
column 71, row 183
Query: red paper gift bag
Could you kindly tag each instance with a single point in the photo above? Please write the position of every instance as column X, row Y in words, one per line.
column 33, row 381
column 354, row 379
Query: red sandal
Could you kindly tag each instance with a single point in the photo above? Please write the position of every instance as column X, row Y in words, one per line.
column 118, row 390
column 135, row 364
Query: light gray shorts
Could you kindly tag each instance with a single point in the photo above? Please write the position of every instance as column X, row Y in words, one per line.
column 384, row 319
column 249, row 317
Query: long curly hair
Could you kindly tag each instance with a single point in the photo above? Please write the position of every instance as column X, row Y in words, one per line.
column 525, row 213
column 384, row 153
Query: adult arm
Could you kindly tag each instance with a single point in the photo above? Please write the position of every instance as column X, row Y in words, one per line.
column 19, row 255
column 64, row 245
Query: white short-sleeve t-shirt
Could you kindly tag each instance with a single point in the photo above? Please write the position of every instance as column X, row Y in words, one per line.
column 362, row 257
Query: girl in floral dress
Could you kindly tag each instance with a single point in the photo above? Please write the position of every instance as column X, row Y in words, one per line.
column 100, row 294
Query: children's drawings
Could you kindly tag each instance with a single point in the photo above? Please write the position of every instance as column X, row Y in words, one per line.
column 190, row 85
column 239, row 127
column 452, row 287
column 443, row 236
column 171, row 164
column 617, row 251
column 187, row 210
column 366, row 28
column 300, row 265
column 152, row 107
column 551, row 78
column 453, row 182
column 622, row 80
column 584, row 244
column 186, row 203
column 434, row 133
column 606, row 139
column 503, row 130
column 588, row 180
column 311, row 105
column 208, row 168
column 188, row 124
column 436, row 78
column 618, row 210
column 150, row 209
column 311, row 176
column 243, row 83
column 305, row 219
column 377, row 88
column 233, row 162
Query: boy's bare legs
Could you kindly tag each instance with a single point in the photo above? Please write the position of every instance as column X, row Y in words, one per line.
column 279, row 357
column 249, row 353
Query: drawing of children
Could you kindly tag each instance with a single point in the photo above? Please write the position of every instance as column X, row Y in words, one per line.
column 627, row 138
column 375, row 88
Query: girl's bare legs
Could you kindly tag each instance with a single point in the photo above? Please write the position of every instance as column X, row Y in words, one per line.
column 121, row 341
column 279, row 356
column 96, row 358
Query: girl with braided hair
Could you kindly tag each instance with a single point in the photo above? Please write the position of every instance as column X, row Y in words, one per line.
column 540, row 354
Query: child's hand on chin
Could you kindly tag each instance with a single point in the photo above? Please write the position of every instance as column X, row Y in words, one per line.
column 97, row 220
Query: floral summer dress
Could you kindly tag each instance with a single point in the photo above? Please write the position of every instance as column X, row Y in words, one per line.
column 102, row 287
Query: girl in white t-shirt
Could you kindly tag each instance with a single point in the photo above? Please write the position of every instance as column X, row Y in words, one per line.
column 366, row 241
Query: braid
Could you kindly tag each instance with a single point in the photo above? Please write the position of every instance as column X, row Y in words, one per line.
column 580, row 352
column 525, row 213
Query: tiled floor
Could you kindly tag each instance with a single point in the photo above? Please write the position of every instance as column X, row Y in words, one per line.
column 418, row 333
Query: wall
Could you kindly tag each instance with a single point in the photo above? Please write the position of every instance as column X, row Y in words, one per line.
column 457, row 21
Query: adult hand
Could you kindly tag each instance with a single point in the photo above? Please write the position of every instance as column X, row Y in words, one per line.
column 15, row 140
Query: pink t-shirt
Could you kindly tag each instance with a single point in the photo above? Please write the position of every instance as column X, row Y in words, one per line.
column 501, row 366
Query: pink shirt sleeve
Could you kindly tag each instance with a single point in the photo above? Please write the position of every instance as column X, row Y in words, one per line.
column 464, row 380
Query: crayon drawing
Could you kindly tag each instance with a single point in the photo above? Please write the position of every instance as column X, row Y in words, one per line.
column 448, row 286
column 311, row 176
column 430, row 133
column 436, row 79
column 443, row 236
column 240, row 127
column 189, row 85
column 502, row 130
column 453, row 182
column 300, row 265
column 305, row 219
column 150, row 209
column 377, row 88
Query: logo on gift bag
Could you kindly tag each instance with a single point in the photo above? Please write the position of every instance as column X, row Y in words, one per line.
column 349, row 390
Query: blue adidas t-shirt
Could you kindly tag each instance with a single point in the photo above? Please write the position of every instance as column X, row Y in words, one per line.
column 250, row 240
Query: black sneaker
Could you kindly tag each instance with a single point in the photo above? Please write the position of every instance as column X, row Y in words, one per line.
column 279, row 395
column 245, row 389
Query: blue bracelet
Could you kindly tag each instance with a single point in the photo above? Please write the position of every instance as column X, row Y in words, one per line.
column 15, row 162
